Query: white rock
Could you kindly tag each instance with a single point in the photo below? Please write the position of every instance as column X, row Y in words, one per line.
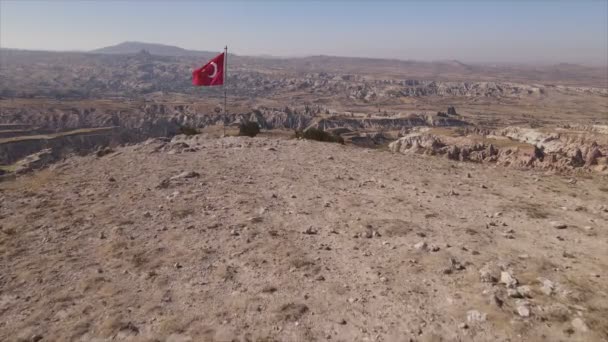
column 523, row 309
column 547, row 286
column 508, row 279
column 421, row 245
column 476, row 316
column 579, row 325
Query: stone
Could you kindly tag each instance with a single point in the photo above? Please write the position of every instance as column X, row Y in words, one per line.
column 523, row 309
column 497, row 300
column 513, row 293
column 186, row 175
column 524, row 291
column 486, row 275
column 566, row 254
column 558, row 225
column 476, row 316
column 508, row 279
column 579, row 324
column 310, row 231
column 255, row 219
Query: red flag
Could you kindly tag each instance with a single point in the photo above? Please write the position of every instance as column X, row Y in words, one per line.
column 210, row 74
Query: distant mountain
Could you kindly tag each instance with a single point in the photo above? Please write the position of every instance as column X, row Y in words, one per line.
column 127, row 48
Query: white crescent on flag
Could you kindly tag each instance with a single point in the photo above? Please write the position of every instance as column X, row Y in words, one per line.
column 214, row 70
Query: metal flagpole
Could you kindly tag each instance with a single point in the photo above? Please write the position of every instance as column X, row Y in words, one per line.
column 225, row 81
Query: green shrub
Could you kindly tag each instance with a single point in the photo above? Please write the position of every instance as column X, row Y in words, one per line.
column 187, row 130
column 249, row 129
column 320, row 135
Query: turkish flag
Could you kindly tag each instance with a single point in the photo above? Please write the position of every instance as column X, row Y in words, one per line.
column 210, row 74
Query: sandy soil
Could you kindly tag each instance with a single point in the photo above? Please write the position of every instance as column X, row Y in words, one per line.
column 269, row 239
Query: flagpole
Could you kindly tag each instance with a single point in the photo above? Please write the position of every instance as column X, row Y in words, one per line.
column 225, row 84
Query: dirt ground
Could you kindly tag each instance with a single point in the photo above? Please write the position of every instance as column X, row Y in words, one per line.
column 267, row 239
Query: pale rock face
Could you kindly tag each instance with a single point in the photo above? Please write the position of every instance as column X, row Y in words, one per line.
column 521, row 147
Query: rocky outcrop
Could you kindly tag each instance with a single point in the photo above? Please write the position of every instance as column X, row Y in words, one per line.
column 512, row 153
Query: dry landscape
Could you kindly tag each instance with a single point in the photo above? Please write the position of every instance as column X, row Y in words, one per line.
column 468, row 203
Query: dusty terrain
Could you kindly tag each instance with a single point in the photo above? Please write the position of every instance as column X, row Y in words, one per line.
column 266, row 239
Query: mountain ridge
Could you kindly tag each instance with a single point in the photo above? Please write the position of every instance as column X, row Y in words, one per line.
column 132, row 47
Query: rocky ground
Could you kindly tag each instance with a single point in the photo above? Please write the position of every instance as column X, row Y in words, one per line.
column 265, row 239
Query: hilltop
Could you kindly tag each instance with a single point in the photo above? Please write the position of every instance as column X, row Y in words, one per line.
column 207, row 239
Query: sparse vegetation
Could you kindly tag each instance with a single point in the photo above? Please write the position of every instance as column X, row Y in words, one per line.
column 249, row 129
column 187, row 130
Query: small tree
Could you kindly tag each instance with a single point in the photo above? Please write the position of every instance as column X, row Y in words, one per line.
column 321, row 135
column 249, row 129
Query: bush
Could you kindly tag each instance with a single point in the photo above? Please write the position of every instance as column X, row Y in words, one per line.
column 249, row 129
column 320, row 135
column 188, row 130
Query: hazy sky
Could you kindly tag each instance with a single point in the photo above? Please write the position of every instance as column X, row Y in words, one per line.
column 471, row 31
